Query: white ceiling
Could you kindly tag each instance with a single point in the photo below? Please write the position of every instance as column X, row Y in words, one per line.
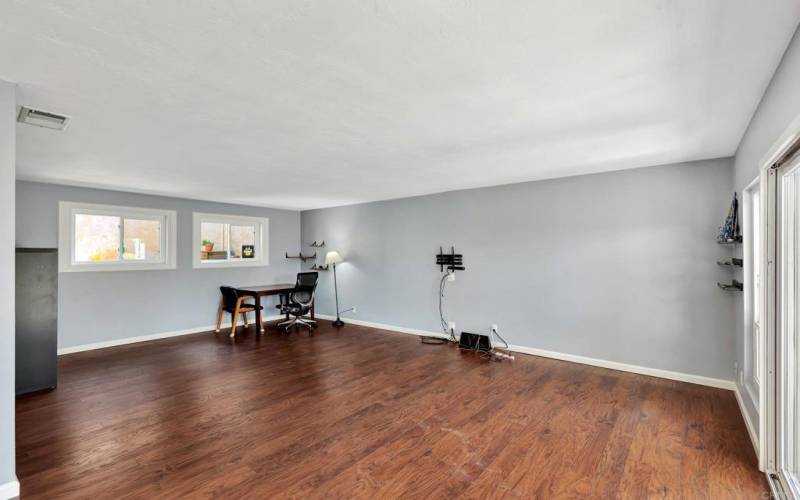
column 305, row 104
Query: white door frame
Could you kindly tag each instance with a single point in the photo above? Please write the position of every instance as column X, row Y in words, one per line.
column 769, row 423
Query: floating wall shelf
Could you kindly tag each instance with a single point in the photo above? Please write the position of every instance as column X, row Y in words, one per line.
column 737, row 239
column 301, row 256
column 734, row 286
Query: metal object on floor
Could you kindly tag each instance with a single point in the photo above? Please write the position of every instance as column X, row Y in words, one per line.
column 298, row 321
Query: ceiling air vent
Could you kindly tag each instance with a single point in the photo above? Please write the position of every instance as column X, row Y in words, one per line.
column 41, row 118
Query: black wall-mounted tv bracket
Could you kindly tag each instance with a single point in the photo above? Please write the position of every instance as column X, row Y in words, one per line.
column 452, row 261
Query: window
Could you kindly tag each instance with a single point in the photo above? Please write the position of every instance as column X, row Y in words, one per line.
column 752, row 279
column 755, row 279
column 230, row 240
column 111, row 238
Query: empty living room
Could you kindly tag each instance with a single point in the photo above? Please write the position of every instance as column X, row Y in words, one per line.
column 415, row 249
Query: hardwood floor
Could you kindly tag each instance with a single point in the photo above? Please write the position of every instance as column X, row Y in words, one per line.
column 365, row 413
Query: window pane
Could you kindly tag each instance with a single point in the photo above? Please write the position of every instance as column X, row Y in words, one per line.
column 756, row 252
column 96, row 238
column 214, row 239
column 142, row 239
column 243, row 241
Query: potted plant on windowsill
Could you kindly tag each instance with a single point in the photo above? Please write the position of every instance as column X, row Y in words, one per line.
column 208, row 246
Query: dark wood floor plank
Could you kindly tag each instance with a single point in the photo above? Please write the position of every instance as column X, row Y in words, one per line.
column 364, row 413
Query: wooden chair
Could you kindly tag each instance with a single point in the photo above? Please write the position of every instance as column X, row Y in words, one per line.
column 234, row 303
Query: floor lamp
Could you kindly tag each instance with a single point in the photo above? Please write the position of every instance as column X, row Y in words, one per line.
column 333, row 257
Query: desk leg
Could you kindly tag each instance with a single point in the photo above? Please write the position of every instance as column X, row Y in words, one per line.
column 259, row 324
column 312, row 309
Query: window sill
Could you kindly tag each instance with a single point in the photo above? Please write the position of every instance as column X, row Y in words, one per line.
column 224, row 264
column 78, row 268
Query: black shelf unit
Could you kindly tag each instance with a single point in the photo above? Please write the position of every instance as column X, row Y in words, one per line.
column 733, row 286
column 736, row 240
column 301, row 256
column 731, row 263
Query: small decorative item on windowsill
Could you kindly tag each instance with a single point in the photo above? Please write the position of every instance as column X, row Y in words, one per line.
column 730, row 232
column 248, row 251
column 208, row 246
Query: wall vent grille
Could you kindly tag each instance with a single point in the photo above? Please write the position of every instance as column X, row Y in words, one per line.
column 40, row 118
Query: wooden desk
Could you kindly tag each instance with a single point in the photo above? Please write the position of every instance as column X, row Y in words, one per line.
column 259, row 291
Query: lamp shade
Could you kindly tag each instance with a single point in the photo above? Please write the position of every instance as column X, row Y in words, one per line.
column 333, row 257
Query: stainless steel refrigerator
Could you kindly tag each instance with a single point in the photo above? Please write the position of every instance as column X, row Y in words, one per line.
column 36, row 316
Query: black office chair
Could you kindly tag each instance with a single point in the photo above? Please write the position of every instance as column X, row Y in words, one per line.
column 300, row 300
column 234, row 303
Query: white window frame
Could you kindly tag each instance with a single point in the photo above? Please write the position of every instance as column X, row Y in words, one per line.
column 261, row 243
column 67, row 210
column 753, row 292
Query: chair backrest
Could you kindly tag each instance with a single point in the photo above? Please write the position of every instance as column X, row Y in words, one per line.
column 229, row 296
column 304, row 288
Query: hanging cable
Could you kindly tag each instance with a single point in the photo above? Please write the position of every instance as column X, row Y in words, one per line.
column 445, row 327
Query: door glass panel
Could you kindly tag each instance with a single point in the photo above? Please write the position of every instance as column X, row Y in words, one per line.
column 790, row 280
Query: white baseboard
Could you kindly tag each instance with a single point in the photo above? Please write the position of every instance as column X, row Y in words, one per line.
column 573, row 358
column 641, row 370
column 747, row 422
column 145, row 338
column 401, row 329
column 9, row 490
column 602, row 363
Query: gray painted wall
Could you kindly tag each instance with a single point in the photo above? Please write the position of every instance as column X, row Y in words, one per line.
column 8, row 108
column 617, row 266
column 779, row 106
column 102, row 306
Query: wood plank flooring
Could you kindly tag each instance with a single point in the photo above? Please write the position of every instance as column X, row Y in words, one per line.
column 363, row 413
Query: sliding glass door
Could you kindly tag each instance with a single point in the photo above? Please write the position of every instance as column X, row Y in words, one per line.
column 787, row 303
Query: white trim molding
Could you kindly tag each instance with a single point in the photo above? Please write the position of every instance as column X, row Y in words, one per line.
column 573, row 358
column 751, row 430
column 624, row 367
column 9, row 490
column 147, row 338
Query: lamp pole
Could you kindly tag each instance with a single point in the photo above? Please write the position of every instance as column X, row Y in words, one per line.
column 338, row 321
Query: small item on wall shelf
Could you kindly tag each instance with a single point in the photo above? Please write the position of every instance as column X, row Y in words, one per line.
column 733, row 286
column 733, row 262
column 301, row 256
column 315, row 267
column 317, row 245
column 730, row 231
column 248, row 251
